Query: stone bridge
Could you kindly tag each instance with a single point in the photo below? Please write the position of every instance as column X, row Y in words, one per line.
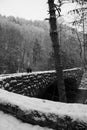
column 44, row 113
column 36, row 84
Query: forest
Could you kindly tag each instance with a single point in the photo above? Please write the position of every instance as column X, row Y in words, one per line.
column 26, row 42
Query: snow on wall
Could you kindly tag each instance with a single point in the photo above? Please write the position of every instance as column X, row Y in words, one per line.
column 44, row 113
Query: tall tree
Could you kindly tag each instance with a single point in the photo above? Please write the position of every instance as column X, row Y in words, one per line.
column 56, row 48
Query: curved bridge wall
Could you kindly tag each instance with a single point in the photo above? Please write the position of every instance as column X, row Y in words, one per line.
column 35, row 83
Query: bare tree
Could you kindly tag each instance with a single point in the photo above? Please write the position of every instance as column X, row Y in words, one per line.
column 56, row 48
column 80, row 21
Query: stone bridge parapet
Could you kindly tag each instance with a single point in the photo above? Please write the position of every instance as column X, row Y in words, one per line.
column 35, row 83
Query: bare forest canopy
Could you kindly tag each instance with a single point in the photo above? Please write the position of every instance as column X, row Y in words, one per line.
column 24, row 42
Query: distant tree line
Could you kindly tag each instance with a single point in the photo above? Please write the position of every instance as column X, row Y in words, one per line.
column 25, row 41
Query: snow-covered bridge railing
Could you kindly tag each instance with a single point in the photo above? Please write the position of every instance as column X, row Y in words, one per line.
column 55, row 115
column 35, row 83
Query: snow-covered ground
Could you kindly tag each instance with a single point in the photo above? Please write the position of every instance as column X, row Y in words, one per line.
column 8, row 122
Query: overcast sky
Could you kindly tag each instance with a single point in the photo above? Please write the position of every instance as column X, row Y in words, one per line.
column 28, row 9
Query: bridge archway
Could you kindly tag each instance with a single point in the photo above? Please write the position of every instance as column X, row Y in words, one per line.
column 51, row 93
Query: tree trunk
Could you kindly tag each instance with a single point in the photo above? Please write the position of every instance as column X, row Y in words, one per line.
column 55, row 42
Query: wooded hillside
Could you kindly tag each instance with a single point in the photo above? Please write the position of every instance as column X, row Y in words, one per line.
column 24, row 42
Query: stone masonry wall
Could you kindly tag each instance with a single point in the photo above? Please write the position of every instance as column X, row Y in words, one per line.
column 35, row 83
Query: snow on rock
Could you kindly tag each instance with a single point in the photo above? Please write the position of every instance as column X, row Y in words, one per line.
column 43, row 112
column 4, row 76
column 72, row 69
column 8, row 122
